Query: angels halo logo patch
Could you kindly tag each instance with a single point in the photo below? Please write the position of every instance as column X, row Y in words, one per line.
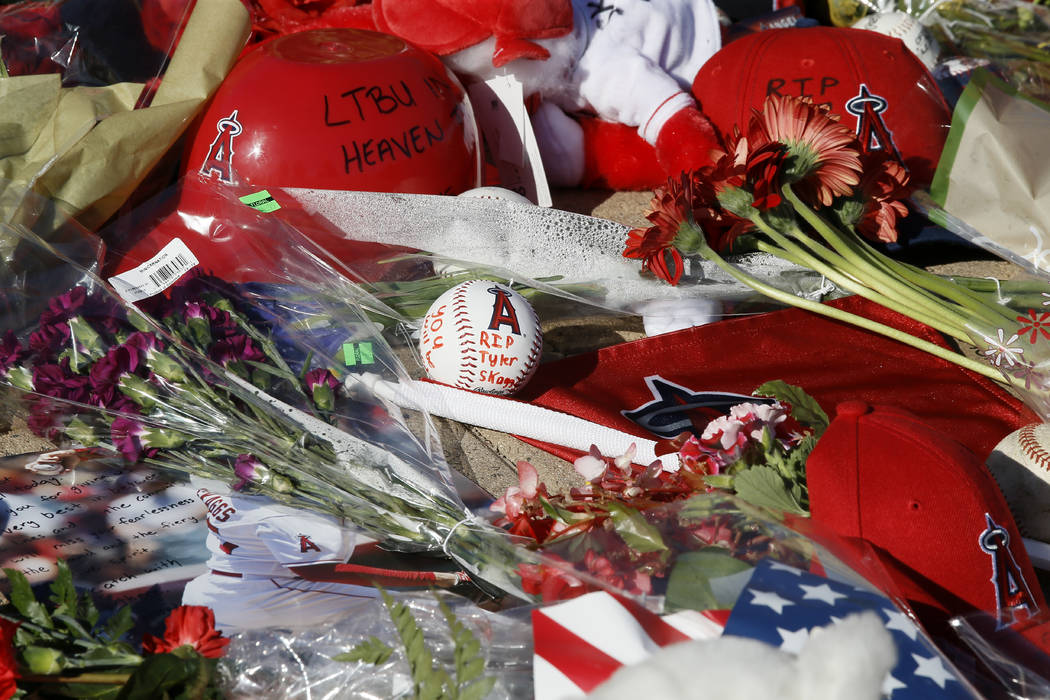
column 676, row 409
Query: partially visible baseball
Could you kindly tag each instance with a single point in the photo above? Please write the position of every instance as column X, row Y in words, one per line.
column 1021, row 466
column 496, row 193
column 901, row 25
column 483, row 336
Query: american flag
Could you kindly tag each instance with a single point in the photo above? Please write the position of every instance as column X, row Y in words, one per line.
column 781, row 604
column 580, row 643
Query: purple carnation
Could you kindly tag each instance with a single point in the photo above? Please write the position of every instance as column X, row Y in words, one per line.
column 127, row 435
column 11, row 351
column 317, row 377
column 235, row 348
column 49, row 338
column 59, row 382
column 44, row 419
column 248, row 470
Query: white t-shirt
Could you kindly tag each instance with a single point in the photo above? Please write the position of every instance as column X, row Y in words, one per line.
column 252, row 535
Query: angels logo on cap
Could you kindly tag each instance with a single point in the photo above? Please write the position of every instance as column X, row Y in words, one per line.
column 873, row 82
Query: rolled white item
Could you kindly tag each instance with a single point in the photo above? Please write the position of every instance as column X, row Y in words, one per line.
column 513, row 417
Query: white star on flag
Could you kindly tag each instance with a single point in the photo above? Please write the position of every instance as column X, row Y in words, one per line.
column 891, row 684
column 793, row 641
column 933, row 669
column 896, row 620
column 770, row 600
column 822, row 592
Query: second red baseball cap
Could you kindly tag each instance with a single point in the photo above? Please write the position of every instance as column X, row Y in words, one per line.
column 873, row 82
column 883, row 475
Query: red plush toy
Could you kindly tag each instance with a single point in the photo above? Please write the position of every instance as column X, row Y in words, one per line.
column 612, row 78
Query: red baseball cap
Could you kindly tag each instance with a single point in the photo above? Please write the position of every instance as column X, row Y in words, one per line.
column 929, row 505
column 872, row 81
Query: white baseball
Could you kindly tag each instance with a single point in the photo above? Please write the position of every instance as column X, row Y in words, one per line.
column 901, row 25
column 1020, row 464
column 496, row 193
column 483, row 336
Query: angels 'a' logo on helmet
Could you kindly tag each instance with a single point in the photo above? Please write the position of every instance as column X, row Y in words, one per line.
column 219, row 159
column 1013, row 597
column 872, row 131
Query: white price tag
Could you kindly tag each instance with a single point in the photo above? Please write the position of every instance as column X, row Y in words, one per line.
column 156, row 274
column 499, row 107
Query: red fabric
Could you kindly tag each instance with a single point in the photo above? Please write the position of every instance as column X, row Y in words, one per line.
column 687, row 142
column 586, row 665
column 830, row 64
column 883, row 475
column 617, row 158
column 447, row 26
column 830, row 360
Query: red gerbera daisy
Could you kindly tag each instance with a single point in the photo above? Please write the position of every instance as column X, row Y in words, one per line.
column 822, row 154
column 670, row 208
column 192, row 625
column 882, row 186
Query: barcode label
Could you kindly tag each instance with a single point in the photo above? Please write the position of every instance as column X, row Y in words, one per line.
column 156, row 274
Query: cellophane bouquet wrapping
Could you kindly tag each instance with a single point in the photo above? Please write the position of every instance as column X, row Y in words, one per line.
column 321, row 663
column 240, row 383
column 1007, row 36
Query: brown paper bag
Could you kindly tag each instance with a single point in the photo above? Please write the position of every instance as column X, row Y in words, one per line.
column 88, row 148
column 993, row 178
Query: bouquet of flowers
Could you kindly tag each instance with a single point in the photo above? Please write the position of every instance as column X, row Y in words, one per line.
column 652, row 530
column 244, row 384
column 70, row 650
column 798, row 184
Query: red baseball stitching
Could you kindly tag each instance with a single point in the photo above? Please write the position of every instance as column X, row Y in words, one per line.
column 1031, row 448
column 468, row 355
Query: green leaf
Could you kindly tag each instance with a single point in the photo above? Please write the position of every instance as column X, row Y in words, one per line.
column 693, row 583
column 25, row 602
column 87, row 610
column 634, row 529
column 119, row 624
column 804, row 408
column 73, row 625
column 478, row 689
column 762, row 486
column 90, row 690
column 371, row 651
column 156, row 675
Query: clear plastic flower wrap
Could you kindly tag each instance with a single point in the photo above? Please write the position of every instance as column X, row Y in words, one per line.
column 317, row 663
column 241, row 383
column 1008, row 36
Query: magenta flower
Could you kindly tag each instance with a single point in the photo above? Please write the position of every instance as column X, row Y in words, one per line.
column 129, row 436
column 248, row 470
column 60, row 382
column 237, row 348
column 322, row 385
column 11, row 351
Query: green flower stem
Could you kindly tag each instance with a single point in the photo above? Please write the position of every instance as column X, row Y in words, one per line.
column 833, row 271
column 971, row 304
column 117, row 679
column 853, row 319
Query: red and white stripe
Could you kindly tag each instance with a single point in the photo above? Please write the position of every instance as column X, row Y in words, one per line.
column 579, row 643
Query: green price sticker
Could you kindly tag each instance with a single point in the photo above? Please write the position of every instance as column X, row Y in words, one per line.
column 357, row 354
column 261, row 201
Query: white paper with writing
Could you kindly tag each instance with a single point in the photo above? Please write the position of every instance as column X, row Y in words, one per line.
column 499, row 107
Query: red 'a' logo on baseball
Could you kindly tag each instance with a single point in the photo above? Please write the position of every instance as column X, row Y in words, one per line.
column 503, row 312
column 305, row 544
column 220, row 154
